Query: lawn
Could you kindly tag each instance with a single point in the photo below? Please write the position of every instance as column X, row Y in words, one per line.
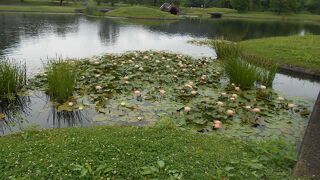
column 140, row 153
column 140, row 12
column 300, row 51
column 46, row 9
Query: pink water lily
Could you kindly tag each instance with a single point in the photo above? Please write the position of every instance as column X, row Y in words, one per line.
column 219, row 103
column 98, row 87
column 230, row 112
column 187, row 109
column 217, row 124
column 256, row 110
column 194, row 93
column 162, row 92
column 137, row 93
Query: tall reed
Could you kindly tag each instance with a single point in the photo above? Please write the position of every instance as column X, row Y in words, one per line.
column 61, row 77
column 12, row 76
column 241, row 72
column 226, row 49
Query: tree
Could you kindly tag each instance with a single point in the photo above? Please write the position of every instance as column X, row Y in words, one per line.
column 313, row 6
column 241, row 5
column 281, row 6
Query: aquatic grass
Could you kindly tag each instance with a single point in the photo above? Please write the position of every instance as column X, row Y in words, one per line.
column 241, row 72
column 12, row 77
column 225, row 49
column 61, row 79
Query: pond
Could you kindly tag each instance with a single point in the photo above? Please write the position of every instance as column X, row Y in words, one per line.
column 34, row 38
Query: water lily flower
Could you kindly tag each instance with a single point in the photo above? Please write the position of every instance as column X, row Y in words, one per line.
column 232, row 99
column 217, row 124
column 247, row 107
column 184, row 70
column 145, row 57
column 256, row 110
column 126, row 82
column 97, row 75
column 230, row 112
column 175, row 70
column 126, row 78
column 203, row 77
column 141, row 68
column 223, row 94
column 219, row 103
column 115, row 64
column 96, row 62
column 232, row 84
column 136, row 66
column 130, row 61
column 291, row 106
column 122, row 103
column 133, row 58
column 167, row 66
column 70, row 103
column 168, row 59
column 234, row 96
column 81, row 107
column 140, row 118
column 194, row 93
column 162, row 92
column 187, row 109
column 281, row 98
column 137, row 93
column 175, row 76
column 157, row 61
column 263, row 87
column 193, row 70
column 98, row 87
column 163, row 58
column 237, row 88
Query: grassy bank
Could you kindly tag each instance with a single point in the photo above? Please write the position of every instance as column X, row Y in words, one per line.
column 299, row 51
column 45, row 9
column 138, row 153
column 140, row 12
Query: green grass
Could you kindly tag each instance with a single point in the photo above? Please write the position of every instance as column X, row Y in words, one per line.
column 140, row 12
column 299, row 51
column 203, row 12
column 12, row 77
column 61, row 78
column 140, row 153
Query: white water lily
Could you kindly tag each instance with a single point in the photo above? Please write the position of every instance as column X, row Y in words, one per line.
column 263, row 87
column 146, row 57
column 122, row 103
column 187, row 109
column 133, row 58
column 163, row 58
column 184, row 70
column 97, row 75
column 237, row 88
column 232, row 99
column 256, row 110
column 141, row 68
column 137, row 93
column 167, row 66
column 203, row 77
column 98, row 87
column 157, row 61
column 230, row 112
column 162, row 92
column 126, row 82
column 96, row 62
column 232, row 84
column 281, row 98
column 219, row 103
column 223, row 94
column 115, row 64
column 140, row 118
column 247, row 107
column 81, row 107
column 194, row 93
column 130, row 61
column 70, row 103
column 291, row 106
column 126, row 78
column 234, row 96
column 193, row 69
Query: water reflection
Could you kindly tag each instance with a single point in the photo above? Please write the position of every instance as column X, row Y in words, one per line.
column 66, row 118
column 14, row 109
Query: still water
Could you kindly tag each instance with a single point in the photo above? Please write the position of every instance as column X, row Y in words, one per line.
column 34, row 38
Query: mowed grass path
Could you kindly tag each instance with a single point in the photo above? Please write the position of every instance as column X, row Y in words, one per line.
column 122, row 152
column 299, row 51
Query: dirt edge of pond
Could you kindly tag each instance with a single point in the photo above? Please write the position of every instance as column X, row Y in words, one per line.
column 309, row 156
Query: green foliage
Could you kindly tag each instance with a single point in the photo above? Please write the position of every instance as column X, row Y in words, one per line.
column 141, row 12
column 241, row 5
column 282, row 6
column 313, row 6
column 241, row 72
column 61, row 79
column 140, row 153
column 12, row 77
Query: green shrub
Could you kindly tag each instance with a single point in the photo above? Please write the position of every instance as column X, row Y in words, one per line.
column 226, row 49
column 61, row 78
column 241, row 72
column 12, row 77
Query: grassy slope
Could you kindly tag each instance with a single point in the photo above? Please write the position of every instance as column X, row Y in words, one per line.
column 300, row 51
column 140, row 12
column 125, row 150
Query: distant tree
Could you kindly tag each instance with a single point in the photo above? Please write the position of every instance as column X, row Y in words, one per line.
column 281, row 6
column 313, row 6
column 241, row 5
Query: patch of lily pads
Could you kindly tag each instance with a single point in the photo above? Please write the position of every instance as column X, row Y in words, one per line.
column 140, row 88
